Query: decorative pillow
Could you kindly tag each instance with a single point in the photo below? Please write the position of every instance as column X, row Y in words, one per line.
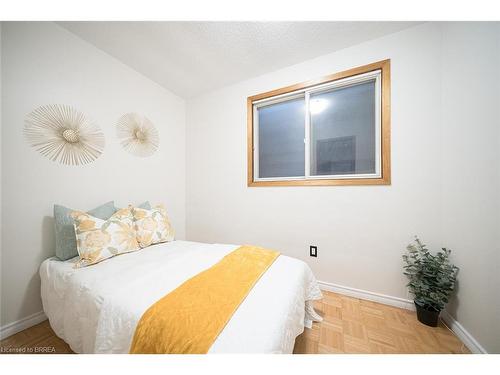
column 152, row 226
column 145, row 205
column 102, row 239
column 65, row 233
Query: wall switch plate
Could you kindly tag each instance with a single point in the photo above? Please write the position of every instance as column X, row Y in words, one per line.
column 313, row 251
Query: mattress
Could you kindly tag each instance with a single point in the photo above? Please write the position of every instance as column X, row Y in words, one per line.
column 96, row 309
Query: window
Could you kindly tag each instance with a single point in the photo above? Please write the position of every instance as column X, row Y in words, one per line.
column 332, row 131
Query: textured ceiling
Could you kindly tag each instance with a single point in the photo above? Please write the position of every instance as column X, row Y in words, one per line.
column 189, row 58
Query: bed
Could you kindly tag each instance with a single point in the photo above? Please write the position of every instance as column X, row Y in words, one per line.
column 96, row 309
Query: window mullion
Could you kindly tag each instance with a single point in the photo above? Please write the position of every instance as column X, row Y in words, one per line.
column 307, row 136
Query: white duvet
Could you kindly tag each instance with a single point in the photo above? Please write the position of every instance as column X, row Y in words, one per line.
column 96, row 309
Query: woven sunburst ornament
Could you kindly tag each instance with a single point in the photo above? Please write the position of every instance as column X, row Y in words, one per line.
column 63, row 134
column 137, row 134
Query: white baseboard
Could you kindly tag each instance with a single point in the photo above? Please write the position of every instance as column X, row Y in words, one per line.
column 455, row 326
column 22, row 324
column 469, row 341
column 370, row 296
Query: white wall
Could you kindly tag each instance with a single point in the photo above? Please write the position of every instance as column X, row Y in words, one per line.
column 1, row 173
column 362, row 231
column 445, row 159
column 471, row 173
column 42, row 64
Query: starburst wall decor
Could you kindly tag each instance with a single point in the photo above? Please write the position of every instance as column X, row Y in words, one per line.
column 64, row 134
column 137, row 134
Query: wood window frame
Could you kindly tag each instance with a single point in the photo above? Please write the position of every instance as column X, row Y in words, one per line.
column 385, row 128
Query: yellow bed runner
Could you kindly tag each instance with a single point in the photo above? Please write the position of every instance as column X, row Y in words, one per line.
column 189, row 319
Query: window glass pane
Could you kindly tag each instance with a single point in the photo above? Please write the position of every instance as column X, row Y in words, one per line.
column 281, row 139
column 343, row 130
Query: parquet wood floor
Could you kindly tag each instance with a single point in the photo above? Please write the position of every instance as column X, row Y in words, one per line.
column 352, row 325
column 39, row 339
column 349, row 325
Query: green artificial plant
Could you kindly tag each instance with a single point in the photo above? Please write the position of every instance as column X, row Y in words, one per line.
column 432, row 277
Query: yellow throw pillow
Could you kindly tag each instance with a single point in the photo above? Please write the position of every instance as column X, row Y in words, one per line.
column 98, row 239
column 152, row 226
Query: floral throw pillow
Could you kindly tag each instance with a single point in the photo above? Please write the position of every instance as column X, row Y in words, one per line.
column 152, row 226
column 98, row 239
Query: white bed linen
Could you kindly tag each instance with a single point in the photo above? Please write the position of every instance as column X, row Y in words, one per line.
column 96, row 309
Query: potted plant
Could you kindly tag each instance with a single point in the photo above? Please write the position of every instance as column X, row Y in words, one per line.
column 432, row 280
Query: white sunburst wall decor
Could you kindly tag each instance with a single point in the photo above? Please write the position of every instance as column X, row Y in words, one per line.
column 137, row 134
column 64, row 134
